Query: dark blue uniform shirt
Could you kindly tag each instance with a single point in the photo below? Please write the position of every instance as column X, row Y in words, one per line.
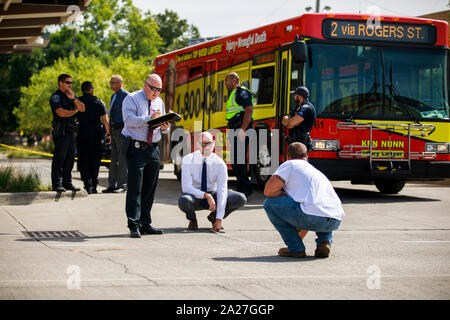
column 95, row 108
column 60, row 100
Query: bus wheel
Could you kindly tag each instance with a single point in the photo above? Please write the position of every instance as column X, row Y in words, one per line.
column 257, row 170
column 390, row 186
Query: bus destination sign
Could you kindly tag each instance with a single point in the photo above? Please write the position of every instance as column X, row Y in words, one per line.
column 386, row 31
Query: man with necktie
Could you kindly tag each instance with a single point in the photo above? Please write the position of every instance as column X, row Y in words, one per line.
column 117, row 177
column 204, row 177
column 143, row 153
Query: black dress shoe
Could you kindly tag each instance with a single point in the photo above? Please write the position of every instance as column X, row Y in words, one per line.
column 109, row 190
column 135, row 234
column 150, row 230
column 71, row 187
column 91, row 190
column 59, row 189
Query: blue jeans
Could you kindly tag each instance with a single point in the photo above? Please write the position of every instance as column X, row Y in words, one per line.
column 286, row 215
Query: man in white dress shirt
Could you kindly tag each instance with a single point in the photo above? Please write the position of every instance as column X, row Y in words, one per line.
column 143, row 153
column 204, row 179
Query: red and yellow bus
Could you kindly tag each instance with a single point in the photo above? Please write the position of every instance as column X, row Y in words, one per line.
column 380, row 89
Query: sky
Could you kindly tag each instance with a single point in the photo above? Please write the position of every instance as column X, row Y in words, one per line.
column 222, row 18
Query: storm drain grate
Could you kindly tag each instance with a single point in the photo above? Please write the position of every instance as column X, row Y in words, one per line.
column 54, row 234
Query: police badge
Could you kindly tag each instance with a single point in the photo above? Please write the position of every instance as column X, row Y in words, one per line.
column 55, row 98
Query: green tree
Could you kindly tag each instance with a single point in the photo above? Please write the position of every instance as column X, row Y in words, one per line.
column 34, row 113
column 15, row 71
column 174, row 31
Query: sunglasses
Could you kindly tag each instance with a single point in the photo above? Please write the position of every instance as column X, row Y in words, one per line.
column 205, row 144
column 68, row 82
column 153, row 88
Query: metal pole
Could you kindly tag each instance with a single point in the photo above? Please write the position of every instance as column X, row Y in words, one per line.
column 317, row 6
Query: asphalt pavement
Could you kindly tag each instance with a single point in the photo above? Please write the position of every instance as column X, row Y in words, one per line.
column 388, row 247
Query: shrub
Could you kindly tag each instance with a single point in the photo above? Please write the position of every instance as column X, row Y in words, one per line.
column 14, row 180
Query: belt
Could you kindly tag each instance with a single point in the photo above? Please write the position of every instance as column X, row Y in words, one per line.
column 142, row 145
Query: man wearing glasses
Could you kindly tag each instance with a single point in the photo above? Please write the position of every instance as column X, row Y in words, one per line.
column 117, row 176
column 142, row 153
column 204, row 183
column 64, row 106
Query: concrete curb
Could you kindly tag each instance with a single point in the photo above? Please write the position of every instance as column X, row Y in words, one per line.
column 25, row 198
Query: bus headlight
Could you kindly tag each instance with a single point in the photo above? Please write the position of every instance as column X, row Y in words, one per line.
column 325, row 145
column 437, row 147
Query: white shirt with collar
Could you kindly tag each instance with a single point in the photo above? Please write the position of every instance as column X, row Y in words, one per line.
column 217, row 178
column 136, row 114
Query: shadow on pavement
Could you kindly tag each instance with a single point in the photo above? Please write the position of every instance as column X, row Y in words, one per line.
column 272, row 259
column 365, row 196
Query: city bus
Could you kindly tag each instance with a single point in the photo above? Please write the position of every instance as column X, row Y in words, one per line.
column 379, row 86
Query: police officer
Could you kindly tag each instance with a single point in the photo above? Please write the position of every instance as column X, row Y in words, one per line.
column 239, row 116
column 89, row 138
column 64, row 106
column 301, row 118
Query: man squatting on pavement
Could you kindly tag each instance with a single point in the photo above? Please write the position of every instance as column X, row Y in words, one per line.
column 204, row 182
column 300, row 196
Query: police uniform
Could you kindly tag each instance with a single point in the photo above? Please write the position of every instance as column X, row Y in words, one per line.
column 300, row 133
column 239, row 98
column 89, row 140
column 64, row 131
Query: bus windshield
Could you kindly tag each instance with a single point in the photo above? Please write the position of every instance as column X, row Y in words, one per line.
column 374, row 82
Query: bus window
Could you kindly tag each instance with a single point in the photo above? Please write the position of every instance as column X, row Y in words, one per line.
column 195, row 72
column 262, row 85
column 296, row 80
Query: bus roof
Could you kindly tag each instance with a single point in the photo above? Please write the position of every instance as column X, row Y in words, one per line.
column 310, row 25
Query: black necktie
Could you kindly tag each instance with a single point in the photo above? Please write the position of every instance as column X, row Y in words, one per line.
column 204, row 186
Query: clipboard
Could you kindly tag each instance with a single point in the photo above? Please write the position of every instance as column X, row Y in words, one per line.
column 169, row 117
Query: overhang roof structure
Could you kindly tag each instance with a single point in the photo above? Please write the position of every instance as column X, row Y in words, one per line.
column 23, row 22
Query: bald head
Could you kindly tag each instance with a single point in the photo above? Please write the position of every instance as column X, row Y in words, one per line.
column 154, row 78
column 153, row 81
column 206, row 143
column 232, row 80
column 297, row 150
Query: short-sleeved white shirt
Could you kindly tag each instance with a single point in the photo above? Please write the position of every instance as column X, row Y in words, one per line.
column 311, row 188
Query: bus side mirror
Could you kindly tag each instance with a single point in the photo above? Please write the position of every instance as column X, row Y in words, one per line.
column 299, row 51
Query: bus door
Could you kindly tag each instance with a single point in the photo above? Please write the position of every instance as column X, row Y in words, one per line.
column 210, row 93
column 283, row 98
column 291, row 66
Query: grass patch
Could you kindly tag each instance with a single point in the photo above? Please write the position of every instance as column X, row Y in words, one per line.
column 14, row 180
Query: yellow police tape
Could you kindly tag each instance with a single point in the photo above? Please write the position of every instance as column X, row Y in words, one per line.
column 40, row 153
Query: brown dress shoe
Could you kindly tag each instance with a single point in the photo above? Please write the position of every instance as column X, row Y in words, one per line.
column 284, row 252
column 323, row 250
column 193, row 225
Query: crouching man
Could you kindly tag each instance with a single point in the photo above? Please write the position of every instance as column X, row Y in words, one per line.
column 301, row 197
column 204, row 182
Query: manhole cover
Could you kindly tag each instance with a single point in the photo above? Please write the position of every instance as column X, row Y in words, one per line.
column 53, row 234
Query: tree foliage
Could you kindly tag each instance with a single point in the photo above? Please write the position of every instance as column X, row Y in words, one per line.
column 114, row 37
column 174, row 31
column 34, row 112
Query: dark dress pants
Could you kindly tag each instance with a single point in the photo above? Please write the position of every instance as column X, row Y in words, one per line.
column 89, row 156
column 117, row 176
column 143, row 172
column 63, row 159
column 239, row 166
column 189, row 204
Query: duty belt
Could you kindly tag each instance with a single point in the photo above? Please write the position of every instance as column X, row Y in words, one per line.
column 142, row 145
